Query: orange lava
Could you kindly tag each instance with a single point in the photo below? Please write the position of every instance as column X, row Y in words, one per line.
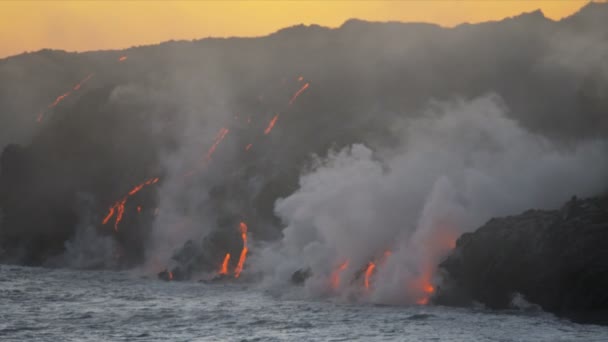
column 218, row 139
column 224, row 268
column 59, row 99
column 300, row 91
column 63, row 96
column 119, row 206
column 426, row 289
column 335, row 275
column 300, row 79
column 139, row 209
column 271, row 124
column 368, row 274
column 248, row 147
column 239, row 266
column 122, row 58
column 81, row 83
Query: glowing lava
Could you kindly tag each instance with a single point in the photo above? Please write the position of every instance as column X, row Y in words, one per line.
column 248, row 147
column 218, row 139
column 428, row 290
column 122, row 58
column 81, row 83
column 368, row 274
column 300, row 91
column 59, row 99
column 239, row 266
column 224, row 269
column 271, row 124
column 335, row 275
column 119, row 206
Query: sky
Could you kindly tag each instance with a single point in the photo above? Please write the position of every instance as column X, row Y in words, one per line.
column 93, row 25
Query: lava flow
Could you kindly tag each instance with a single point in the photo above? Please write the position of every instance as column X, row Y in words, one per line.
column 271, row 124
column 335, row 275
column 300, row 91
column 369, row 270
column 218, row 139
column 119, row 206
column 122, row 58
column 239, row 266
column 224, row 269
column 81, row 83
column 63, row 96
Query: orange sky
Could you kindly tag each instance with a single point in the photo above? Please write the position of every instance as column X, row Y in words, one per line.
column 92, row 25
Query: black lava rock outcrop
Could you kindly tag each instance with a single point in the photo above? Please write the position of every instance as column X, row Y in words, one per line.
column 557, row 259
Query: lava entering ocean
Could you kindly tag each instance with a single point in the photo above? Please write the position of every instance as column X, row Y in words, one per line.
column 239, row 266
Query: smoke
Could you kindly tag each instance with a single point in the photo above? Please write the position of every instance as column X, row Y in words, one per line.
column 459, row 164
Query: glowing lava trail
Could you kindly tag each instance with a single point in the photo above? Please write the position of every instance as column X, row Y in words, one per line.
column 248, row 147
column 59, row 99
column 300, row 91
column 224, row 269
column 81, row 83
column 218, row 139
column 63, row 97
column 335, row 275
column 122, row 58
column 119, row 206
column 368, row 274
column 239, row 266
column 271, row 124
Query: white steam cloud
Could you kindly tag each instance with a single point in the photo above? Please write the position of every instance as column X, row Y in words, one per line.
column 460, row 164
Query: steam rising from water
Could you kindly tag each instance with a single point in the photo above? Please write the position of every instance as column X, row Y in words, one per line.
column 460, row 164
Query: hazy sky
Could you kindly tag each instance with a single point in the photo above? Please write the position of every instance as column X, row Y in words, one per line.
column 91, row 25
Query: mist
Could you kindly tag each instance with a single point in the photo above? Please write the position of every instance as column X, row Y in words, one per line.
column 460, row 164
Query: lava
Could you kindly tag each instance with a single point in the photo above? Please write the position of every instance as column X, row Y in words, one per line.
column 139, row 209
column 297, row 93
column 109, row 216
column 59, row 99
column 218, row 139
column 119, row 206
column 248, row 147
column 428, row 290
column 300, row 79
column 239, row 266
column 122, row 58
column 369, row 270
column 271, row 124
column 170, row 275
column 81, row 83
column 224, row 268
column 335, row 275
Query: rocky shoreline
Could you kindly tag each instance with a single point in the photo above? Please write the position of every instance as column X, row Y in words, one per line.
column 556, row 259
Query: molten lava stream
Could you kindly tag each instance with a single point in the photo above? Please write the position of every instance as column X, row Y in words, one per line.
column 426, row 288
column 335, row 275
column 119, row 206
column 122, row 58
column 218, row 139
column 271, row 124
column 239, row 266
column 224, row 268
column 297, row 93
column 369, row 270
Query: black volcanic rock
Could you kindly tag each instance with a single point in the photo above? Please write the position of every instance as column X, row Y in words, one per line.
column 557, row 259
